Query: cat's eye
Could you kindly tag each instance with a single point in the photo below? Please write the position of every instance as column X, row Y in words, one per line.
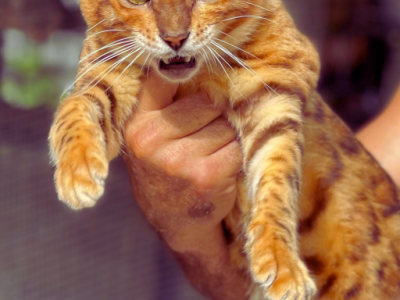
column 138, row 2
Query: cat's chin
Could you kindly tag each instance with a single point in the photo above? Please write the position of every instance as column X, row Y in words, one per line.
column 178, row 75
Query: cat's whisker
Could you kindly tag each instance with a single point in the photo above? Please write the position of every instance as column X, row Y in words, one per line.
column 107, row 71
column 95, row 25
column 106, row 56
column 121, row 61
column 148, row 69
column 212, row 56
column 217, row 60
column 91, row 66
column 151, row 58
column 206, row 61
column 226, row 51
column 220, row 56
column 216, row 53
column 127, row 67
column 239, row 49
column 248, row 16
column 144, row 63
column 268, row 10
column 220, row 31
column 108, row 30
column 117, row 42
column 112, row 53
column 83, row 90
column 243, row 64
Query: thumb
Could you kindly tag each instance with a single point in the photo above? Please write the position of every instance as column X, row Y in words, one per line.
column 156, row 93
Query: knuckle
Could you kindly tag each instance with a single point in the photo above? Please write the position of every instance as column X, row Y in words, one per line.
column 222, row 126
column 139, row 147
column 204, row 178
column 143, row 142
column 173, row 163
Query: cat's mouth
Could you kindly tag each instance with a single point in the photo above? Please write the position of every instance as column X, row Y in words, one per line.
column 177, row 63
column 177, row 68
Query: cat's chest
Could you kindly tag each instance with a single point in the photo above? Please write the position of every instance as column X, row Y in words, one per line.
column 216, row 90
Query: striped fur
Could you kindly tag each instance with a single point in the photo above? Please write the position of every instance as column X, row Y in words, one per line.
column 316, row 216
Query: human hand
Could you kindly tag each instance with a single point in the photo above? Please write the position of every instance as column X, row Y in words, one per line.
column 183, row 161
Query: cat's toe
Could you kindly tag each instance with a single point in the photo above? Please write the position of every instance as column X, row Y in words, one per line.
column 277, row 268
column 80, row 177
column 292, row 282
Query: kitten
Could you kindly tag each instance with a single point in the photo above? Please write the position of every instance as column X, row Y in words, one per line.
column 316, row 215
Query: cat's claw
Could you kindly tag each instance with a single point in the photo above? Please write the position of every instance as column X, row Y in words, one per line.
column 80, row 175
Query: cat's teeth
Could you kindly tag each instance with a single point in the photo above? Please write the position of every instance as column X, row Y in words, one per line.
column 165, row 61
column 187, row 59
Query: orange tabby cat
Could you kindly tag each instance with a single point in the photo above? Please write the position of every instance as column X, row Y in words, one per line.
column 304, row 172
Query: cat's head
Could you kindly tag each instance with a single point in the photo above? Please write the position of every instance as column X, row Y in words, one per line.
column 174, row 37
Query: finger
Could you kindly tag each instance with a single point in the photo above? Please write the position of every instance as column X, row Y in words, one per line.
column 209, row 139
column 229, row 159
column 156, row 93
column 187, row 115
column 208, row 170
column 142, row 132
column 151, row 131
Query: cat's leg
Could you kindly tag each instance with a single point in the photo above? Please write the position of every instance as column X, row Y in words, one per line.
column 85, row 136
column 272, row 140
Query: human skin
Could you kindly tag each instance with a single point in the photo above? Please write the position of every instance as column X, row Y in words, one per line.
column 382, row 138
column 183, row 160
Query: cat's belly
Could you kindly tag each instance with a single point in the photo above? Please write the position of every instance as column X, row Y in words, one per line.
column 347, row 242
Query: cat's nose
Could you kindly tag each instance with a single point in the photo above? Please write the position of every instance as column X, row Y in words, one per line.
column 176, row 42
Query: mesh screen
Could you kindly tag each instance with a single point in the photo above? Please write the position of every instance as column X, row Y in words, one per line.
column 48, row 251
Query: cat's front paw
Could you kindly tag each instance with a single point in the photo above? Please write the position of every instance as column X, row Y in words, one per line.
column 81, row 171
column 288, row 281
column 280, row 272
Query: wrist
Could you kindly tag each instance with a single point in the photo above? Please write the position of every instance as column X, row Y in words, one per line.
column 208, row 266
column 199, row 238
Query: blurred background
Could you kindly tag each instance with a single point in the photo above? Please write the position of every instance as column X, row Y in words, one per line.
column 109, row 252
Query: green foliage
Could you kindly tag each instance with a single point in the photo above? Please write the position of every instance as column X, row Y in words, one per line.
column 26, row 83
